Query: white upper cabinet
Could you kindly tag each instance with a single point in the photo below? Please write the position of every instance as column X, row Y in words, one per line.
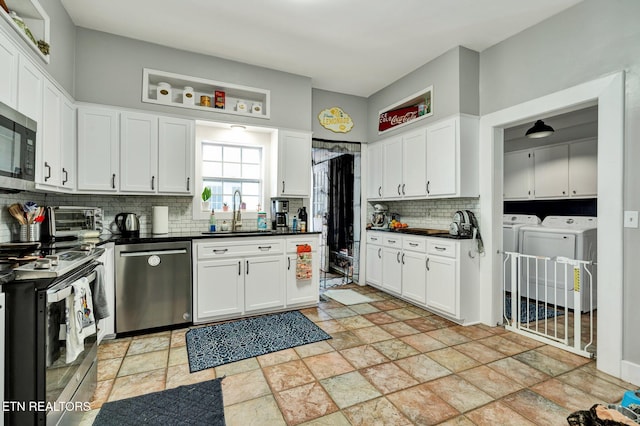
column 68, row 149
column 138, row 152
column 452, row 158
column 175, row 155
column 30, row 84
column 551, row 171
column 293, row 170
column 414, row 164
column 9, row 70
column 518, row 179
column 51, row 130
column 98, row 147
column 374, row 169
column 392, row 168
column 583, row 168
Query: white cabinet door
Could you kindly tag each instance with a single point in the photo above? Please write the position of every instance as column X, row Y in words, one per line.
column 374, row 265
column 219, row 288
column 392, row 270
column 414, row 164
column 583, row 168
column 442, row 285
column 68, row 149
column 414, row 276
column 302, row 291
column 9, row 71
column 294, row 164
column 264, row 280
column 175, row 155
column 517, row 175
column 138, row 152
column 98, row 149
column 392, row 168
column 106, row 326
column 30, row 84
column 51, row 140
column 375, row 171
column 551, row 171
column 442, row 170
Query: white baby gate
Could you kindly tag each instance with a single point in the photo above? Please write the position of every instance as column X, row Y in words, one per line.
column 552, row 300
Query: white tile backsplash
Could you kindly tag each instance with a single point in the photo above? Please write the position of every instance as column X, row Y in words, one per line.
column 436, row 214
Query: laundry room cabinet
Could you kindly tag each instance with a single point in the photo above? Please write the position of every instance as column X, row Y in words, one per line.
column 551, row 172
column 518, row 175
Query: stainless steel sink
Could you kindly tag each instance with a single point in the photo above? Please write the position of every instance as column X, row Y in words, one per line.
column 238, row 233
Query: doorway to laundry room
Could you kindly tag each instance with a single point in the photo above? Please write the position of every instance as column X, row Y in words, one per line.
column 550, row 228
column 335, row 210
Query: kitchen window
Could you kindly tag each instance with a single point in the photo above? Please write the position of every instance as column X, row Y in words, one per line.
column 227, row 167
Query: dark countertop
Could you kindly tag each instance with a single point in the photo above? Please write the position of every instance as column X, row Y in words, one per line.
column 423, row 232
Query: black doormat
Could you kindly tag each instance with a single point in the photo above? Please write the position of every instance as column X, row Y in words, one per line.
column 197, row 404
column 220, row 344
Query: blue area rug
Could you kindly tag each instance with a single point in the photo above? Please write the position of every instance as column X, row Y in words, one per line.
column 531, row 311
column 197, row 404
column 220, row 344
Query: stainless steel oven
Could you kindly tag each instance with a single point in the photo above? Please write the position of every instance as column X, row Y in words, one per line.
column 54, row 389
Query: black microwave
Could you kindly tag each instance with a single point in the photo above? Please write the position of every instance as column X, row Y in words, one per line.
column 17, row 150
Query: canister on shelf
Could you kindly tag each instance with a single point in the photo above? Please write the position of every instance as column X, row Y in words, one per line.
column 256, row 108
column 219, row 99
column 205, row 101
column 241, row 106
column 163, row 93
column 187, row 96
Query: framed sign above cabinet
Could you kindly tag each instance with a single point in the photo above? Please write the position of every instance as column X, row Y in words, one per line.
column 408, row 110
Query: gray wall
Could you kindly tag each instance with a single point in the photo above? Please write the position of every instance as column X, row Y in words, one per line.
column 454, row 77
column 109, row 71
column 355, row 106
column 587, row 41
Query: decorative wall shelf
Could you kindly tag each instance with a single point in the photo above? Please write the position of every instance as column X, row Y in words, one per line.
column 255, row 101
column 34, row 17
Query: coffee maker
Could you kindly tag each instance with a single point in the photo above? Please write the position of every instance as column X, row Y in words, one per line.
column 280, row 213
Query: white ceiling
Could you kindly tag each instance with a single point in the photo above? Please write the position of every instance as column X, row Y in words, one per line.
column 355, row 47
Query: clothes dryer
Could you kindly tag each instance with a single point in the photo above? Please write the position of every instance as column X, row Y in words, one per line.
column 574, row 237
column 511, row 224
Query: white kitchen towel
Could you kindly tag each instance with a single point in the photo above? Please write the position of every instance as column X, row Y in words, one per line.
column 80, row 319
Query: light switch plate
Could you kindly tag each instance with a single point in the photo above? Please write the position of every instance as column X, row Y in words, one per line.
column 630, row 219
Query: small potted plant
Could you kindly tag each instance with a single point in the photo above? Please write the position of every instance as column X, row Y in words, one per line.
column 206, row 195
column 225, row 207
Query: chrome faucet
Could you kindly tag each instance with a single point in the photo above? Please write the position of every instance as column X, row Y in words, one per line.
column 236, row 223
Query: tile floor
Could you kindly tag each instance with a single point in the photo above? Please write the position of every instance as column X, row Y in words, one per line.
column 388, row 363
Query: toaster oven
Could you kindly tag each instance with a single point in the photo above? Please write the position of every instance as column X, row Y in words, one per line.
column 69, row 222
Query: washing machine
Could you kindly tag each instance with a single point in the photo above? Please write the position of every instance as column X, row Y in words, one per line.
column 511, row 224
column 574, row 237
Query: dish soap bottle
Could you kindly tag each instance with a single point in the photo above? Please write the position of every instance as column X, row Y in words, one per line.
column 212, row 222
column 294, row 225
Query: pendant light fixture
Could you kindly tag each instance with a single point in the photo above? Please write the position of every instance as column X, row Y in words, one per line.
column 539, row 130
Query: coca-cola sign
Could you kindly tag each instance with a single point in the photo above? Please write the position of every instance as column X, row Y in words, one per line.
column 414, row 107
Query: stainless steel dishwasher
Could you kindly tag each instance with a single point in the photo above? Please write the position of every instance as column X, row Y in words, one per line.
column 153, row 285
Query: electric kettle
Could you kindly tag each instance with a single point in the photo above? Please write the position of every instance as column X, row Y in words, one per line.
column 128, row 224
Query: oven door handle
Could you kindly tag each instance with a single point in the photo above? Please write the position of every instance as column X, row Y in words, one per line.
column 55, row 295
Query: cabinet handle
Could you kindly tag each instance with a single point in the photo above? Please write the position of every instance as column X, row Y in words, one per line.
column 263, row 248
column 188, row 183
column 398, row 257
column 391, row 241
column 220, row 251
column 403, row 258
column 374, row 239
column 427, row 264
column 399, row 190
column 379, row 253
column 428, row 190
column 413, row 244
column 113, row 181
column 239, row 268
column 247, row 267
column 403, row 189
column 380, row 191
column 48, row 176
column 574, row 191
column 564, row 192
column 283, row 187
column 153, row 183
column 440, row 248
column 66, row 177
column 288, row 263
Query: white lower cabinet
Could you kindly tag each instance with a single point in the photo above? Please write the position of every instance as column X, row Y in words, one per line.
column 438, row 274
column 235, row 277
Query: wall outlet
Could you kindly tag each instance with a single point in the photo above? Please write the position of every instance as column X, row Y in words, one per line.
column 630, row 219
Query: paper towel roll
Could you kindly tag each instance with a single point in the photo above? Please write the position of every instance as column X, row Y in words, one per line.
column 160, row 220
